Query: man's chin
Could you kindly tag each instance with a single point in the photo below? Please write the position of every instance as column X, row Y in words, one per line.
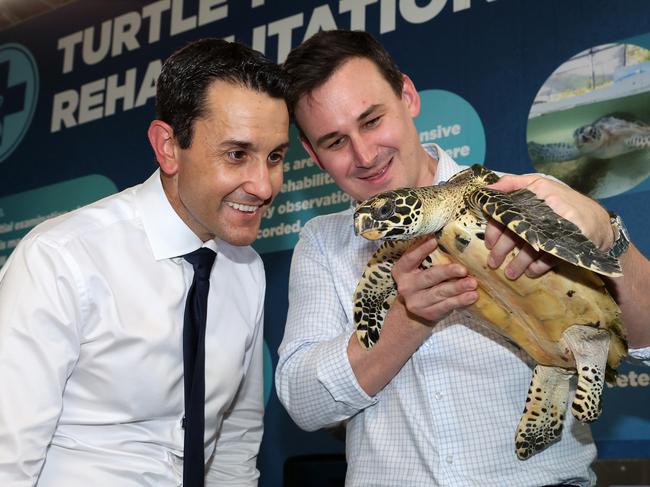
column 239, row 239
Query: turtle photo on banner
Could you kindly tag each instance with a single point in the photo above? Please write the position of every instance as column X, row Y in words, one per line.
column 589, row 125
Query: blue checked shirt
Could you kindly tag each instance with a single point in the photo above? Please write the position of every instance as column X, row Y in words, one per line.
column 448, row 418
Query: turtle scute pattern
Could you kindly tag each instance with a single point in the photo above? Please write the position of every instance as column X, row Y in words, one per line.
column 544, row 426
column 565, row 320
column 375, row 294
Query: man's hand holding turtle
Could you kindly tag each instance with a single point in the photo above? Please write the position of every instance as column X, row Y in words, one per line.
column 587, row 214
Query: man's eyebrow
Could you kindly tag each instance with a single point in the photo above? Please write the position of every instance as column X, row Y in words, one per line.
column 326, row 137
column 370, row 110
column 283, row 146
column 242, row 144
column 362, row 116
column 246, row 145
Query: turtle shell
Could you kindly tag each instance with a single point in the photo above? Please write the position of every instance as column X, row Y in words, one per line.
column 534, row 313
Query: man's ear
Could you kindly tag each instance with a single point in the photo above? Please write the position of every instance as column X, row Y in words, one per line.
column 161, row 138
column 310, row 150
column 410, row 96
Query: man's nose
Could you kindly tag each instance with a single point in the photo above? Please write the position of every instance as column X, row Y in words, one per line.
column 259, row 182
column 364, row 153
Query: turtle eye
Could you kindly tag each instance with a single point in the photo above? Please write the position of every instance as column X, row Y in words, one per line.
column 386, row 210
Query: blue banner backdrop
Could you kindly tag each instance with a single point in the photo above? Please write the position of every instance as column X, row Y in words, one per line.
column 76, row 97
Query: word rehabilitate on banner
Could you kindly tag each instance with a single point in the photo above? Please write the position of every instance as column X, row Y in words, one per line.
column 131, row 31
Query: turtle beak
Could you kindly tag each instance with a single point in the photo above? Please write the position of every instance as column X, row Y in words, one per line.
column 366, row 226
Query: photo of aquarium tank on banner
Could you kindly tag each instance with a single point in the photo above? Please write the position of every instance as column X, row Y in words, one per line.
column 589, row 123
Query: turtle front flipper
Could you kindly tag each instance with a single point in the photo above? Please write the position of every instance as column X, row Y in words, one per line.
column 542, row 421
column 638, row 141
column 376, row 291
column 590, row 347
column 559, row 152
column 534, row 221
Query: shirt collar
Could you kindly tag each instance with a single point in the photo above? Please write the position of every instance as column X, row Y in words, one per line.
column 167, row 233
column 446, row 168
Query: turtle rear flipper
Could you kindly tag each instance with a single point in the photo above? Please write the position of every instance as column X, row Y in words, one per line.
column 534, row 221
column 559, row 152
column 543, row 418
column 590, row 347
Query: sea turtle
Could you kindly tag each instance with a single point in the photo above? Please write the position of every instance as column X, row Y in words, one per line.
column 565, row 320
column 607, row 137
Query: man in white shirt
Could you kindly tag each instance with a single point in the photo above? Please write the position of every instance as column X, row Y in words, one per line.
column 436, row 401
column 93, row 303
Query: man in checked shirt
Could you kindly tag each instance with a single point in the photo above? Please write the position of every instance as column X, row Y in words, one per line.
column 436, row 401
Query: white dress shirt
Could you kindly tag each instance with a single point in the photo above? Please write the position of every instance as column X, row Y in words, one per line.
column 91, row 355
column 448, row 418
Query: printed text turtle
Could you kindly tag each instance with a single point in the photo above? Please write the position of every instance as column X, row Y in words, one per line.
column 565, row 320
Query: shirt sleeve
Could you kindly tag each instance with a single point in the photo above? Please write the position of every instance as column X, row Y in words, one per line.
column 314, row 379
column 641, row 354
column 238, row 441
column 39, row 345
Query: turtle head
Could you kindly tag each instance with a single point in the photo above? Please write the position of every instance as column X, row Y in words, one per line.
column 392, row 215
column 588, row 138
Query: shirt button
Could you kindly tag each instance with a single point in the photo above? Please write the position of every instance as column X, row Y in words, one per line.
column 450, row 459
column 438, row 395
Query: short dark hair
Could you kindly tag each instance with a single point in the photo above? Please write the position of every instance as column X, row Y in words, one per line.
column 314, row 61
column 183, row 83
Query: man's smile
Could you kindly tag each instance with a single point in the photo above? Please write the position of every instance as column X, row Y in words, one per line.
column 377, row 175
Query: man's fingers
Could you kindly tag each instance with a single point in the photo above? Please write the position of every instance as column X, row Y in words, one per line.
column 441, row 309
column 500, row 250
column 452, row 289
column 543, row 264
column 427, row 296
column 510, row 183
column 436, row 302
column 493, row 231
column 415, row 254
column 518, row 265
column 441, row 273
column 442, row 279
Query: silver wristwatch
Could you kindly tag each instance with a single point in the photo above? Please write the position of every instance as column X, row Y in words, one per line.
column 621, row 237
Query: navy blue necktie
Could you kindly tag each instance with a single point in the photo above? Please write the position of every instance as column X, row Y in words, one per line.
column 194, row 366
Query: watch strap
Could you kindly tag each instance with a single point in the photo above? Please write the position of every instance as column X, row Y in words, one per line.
column 621, row 238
